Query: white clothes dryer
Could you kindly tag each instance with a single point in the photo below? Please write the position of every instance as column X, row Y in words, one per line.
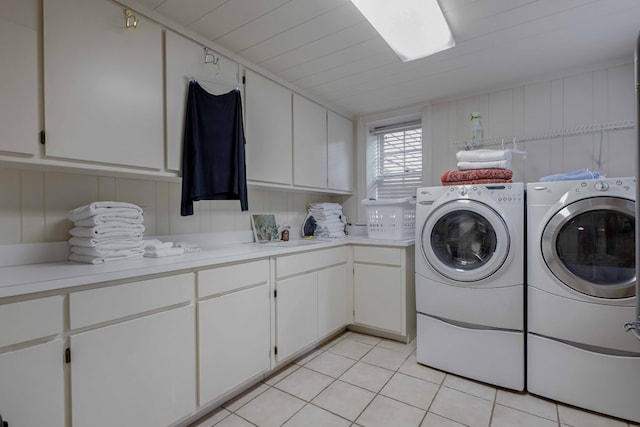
column 470, row 281
column 581, row 291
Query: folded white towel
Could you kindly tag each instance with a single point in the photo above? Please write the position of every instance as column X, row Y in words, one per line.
column 96, row 208
column 88, row 259
column 98, row 251
column 188, row 247
column 156, row 244
column 325, row 205
column 162, row 252
column 483, row 155
column 106, row 243
column 100, row 219
column 108, row 232
column 496, row 164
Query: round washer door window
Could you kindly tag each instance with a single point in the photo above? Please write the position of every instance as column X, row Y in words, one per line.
column 465, row 240
column 590, row 246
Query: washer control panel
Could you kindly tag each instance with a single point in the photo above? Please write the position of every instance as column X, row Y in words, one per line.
column 505, row 194
column 611, row 185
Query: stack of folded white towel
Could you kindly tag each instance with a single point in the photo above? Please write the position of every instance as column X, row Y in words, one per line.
column 155, row 248
column 106, row 231
column 330, row 221
column 484, row 159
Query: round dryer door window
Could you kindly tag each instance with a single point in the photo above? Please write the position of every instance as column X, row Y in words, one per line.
column 590, row 246
column 465, row 240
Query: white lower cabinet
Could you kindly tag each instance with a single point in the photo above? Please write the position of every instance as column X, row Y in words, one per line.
column 384, row 290
column 32, row 390
column 313, row 298
column 140, row 369
column 233, row 327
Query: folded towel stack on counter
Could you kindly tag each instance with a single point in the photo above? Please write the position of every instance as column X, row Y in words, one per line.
column 106, row 231
column 155, row 248
column 480, row 167
column 330, row 221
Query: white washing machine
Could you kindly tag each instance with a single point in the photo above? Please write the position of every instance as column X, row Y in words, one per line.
column 581, row 291
column 470, row 281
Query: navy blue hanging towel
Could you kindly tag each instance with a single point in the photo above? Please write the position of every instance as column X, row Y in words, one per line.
column 213, row 162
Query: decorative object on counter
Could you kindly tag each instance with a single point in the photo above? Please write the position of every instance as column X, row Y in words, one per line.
column 476, row 176
column 213, row 157
column 330, row 221
column 264, row 227
column 391, row 219
column 284, row 234
column 570, row 176
column 106, row 231
column 154, row 248
column 309, row 225
column 476, row 127
column 188, row 248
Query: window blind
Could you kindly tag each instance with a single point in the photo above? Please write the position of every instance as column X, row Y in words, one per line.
column 398, row 160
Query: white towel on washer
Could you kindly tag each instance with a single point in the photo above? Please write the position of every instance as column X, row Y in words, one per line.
column 495, row 164
column 96, row 208
column 483, row 155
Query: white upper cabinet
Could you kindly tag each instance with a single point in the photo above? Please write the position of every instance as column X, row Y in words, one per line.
column 102, row 85
column 268, row 130
column 185, row 60
column 309, row 143
column 340, row 152
column 19, row 82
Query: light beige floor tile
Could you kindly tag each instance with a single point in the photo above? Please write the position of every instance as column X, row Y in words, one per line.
column 413, row 368
column 308, row 357
column 367, row 339
column 351, row 349
column 236, row 403
column 413, row 391
column 384, row 412
column 312, row 416
column 367, row 376
column 398, row 346
column 234, row 421
column 304, row 383
column 433, row 420
column 271, row 408
column 281, row 374
column 344, row 399
column 385, row 358
column 470, row 387
column 213, row 418
column 508, row 417
column 528, row 403
column 330, row 364
column 331, row 343
column 461, row 407
column 577, row 418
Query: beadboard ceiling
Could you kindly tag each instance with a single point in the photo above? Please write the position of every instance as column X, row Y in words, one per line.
column 328, row 50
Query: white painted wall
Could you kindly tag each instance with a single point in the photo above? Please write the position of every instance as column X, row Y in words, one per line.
column 35, row 203
column 598, row 96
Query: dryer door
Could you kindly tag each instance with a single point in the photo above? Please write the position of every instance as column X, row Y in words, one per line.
column 465, row 240
column 589, row 245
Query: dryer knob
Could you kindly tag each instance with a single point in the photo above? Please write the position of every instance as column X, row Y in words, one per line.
column 601, row 186
column 463, row 191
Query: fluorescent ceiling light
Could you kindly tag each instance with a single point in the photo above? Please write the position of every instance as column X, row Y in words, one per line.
column 412, row 28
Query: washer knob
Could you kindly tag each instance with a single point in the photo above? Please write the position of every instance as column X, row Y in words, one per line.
column 463, row 191
column 601, row 186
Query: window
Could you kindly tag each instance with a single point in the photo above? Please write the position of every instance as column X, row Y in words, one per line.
column 397, row 161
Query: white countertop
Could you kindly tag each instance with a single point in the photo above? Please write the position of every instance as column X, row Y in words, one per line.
column 51, row 276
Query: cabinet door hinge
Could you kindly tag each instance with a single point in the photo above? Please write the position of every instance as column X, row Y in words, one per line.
column 244, row 80
column 67, row 355
column 275, row 293
column 275, row 350
column 43, row 137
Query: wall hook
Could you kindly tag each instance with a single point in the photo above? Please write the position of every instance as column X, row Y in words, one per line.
column 130, row 19
column 210, row 58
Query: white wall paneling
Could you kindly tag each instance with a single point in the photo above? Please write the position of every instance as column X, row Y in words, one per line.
column 599, row 96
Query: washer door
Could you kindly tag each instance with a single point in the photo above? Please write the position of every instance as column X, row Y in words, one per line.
column 465, row 240
column 590, row 246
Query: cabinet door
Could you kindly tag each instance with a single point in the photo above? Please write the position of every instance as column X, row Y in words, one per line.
column 296, row 313
column 136, row 373
column 340, row 152
column 309, row 143
column 32, row 389
column 102, row 85
column 19, row 83
column 233, row 337
column 377, row 293
column 184, row 60
column 334, row 299
column 268, row 130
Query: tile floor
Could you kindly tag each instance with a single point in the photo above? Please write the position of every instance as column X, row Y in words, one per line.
column 360, row 380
